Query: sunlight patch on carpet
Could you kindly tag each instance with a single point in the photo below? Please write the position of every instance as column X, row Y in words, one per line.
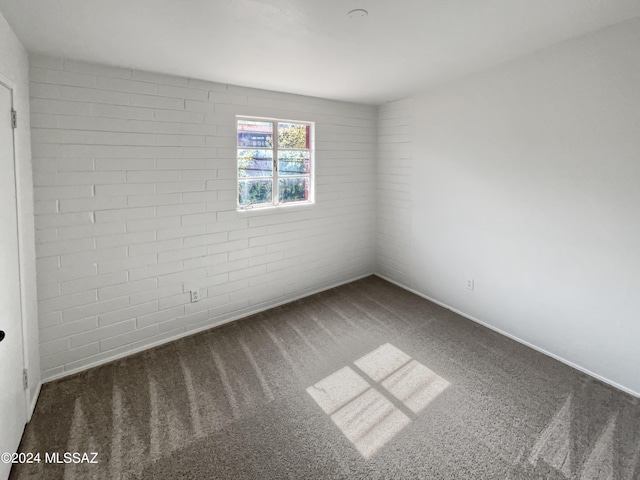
column 362, row 405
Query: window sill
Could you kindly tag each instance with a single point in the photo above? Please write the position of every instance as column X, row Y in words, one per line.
column 271, row 209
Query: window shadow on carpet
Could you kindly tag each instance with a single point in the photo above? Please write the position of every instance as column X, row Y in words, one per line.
column 373, row 404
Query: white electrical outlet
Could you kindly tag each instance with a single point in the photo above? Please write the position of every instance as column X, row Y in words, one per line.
column 195, row 296
column 470, row 283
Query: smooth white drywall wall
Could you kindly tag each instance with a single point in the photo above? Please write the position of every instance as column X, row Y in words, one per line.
column 526, row 179
column 14, row 67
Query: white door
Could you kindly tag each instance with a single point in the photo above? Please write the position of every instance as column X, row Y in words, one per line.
column 12, row 395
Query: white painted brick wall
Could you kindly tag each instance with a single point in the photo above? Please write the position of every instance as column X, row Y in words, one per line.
column 135, row 205
column 393, row 208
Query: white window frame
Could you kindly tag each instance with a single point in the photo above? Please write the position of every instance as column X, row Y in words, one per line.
column 275, row 196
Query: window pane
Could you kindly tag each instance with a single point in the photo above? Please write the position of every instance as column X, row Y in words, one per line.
column 255, row 134
column 293, row 135
column 293, row 162
column 254, row 191
column 293, row 189
column 255, row 163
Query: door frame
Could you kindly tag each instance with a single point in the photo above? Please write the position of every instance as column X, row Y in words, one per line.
column 9, row 84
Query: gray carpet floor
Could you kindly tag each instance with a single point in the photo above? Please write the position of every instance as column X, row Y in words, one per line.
column 363, row 381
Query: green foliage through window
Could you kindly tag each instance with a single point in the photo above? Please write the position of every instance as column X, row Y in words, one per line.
column 254, row 191
column 273, row 171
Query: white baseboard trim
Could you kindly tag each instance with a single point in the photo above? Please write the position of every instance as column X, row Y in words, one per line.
column 34, row 400
column 197, row 330
column 513, row 337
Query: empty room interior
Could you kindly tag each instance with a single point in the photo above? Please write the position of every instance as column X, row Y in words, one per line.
column 285, row 239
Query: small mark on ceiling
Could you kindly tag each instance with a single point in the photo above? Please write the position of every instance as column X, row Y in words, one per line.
column 357, row 14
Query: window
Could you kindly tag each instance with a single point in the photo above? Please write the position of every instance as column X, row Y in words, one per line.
column 275, row 162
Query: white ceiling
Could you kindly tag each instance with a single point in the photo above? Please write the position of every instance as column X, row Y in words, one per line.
column 308, row 46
